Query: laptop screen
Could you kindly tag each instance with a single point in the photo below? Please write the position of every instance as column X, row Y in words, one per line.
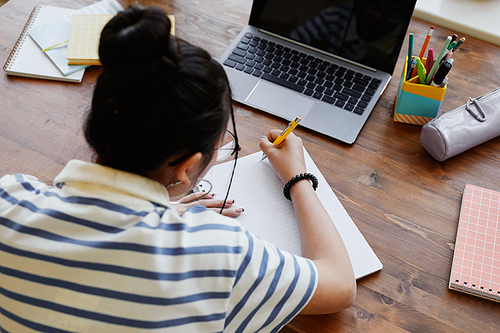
column 368, row 32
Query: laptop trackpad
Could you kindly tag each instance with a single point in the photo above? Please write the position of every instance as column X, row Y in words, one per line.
column 279, row 101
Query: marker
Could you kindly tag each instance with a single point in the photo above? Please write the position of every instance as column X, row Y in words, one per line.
column 421, row 71
column 430, row 60
column 460, row 42
column 438, row 60
column 444, row 69
column 290, row 127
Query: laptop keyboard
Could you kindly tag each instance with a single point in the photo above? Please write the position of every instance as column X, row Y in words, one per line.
column 303, row 73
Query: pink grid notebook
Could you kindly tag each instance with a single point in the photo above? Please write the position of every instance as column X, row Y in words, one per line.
column 476, row 262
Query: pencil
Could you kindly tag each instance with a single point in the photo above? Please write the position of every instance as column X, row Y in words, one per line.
column 291, row 126
column 424, row 47
column 410, row 49
column 426, row 42
column 288, row 129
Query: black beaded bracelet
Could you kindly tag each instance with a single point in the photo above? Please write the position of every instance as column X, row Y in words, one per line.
column 302, row 176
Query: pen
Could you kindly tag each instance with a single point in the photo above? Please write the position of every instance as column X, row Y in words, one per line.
column 288, row 129
column 454, row 37
column 421, row 71
column 412, row 66
column 459, row 43
column 438, row 60
column 445, row 82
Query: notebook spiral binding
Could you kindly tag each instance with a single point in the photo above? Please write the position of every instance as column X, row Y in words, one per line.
column 476, row 290
column 22, row 37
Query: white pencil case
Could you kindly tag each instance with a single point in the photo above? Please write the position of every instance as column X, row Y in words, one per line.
column 465, row 127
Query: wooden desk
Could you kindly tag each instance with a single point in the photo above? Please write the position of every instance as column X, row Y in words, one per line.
column 405, row 203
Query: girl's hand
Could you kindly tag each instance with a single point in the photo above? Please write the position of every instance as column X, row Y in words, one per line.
column 287, row 159
column 207, row 200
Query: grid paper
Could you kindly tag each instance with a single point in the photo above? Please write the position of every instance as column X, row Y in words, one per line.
column 84, row 38
column 476, row 263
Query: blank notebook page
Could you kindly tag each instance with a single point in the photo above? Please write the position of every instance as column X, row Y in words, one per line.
column 270, row 216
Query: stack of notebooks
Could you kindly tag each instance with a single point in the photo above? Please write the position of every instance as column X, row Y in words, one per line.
column 40, row 51
column 476, row 261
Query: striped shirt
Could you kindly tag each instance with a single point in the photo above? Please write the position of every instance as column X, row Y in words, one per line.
column 104, row 251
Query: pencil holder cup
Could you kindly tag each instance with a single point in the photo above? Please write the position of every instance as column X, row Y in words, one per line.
column 417, row 103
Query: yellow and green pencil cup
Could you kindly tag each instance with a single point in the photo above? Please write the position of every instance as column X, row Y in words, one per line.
column 417, row 103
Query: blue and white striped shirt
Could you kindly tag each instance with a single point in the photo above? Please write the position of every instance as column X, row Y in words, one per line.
column 104, row 251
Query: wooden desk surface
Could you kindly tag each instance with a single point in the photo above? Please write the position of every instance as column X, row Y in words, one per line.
column 404, row 202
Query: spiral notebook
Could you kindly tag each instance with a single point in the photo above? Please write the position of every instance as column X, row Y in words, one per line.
column 27, row 59
column 270, row 216
column 476, row 261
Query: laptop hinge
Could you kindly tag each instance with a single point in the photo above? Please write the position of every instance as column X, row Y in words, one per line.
column 318, row 50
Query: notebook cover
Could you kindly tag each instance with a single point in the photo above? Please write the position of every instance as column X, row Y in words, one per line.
column 476, row 262
column 27, row 59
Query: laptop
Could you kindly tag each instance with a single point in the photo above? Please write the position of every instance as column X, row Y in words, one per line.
column 327, row 61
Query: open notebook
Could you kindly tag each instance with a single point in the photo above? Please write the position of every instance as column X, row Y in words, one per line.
column 270, row 216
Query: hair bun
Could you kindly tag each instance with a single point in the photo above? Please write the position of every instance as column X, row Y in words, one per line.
column 136, row 44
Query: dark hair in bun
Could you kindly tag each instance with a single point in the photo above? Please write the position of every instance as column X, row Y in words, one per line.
column 158, row 98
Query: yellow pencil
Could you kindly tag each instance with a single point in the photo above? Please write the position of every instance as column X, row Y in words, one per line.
column 287, row 131
column 284, row 133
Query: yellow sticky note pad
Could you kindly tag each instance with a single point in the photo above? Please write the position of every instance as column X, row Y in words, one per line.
column 84, row 36
column 85, row 32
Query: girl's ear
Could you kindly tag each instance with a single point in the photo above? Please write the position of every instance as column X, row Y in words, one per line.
column 183, row 169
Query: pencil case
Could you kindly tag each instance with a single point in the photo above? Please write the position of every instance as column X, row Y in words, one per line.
column 465, row 127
